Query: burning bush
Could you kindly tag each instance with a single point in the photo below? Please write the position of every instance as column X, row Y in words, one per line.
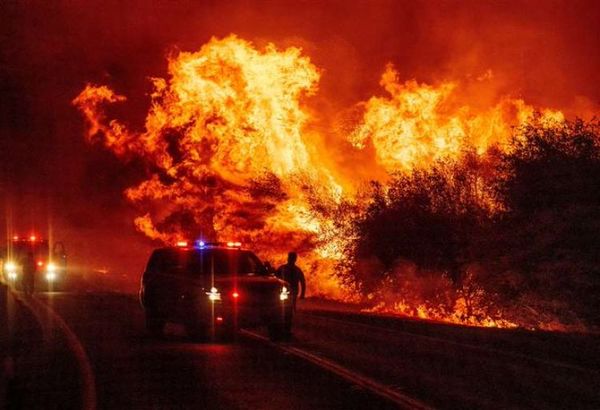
column 413, row 243
column 427, row 216
column 550, row 235
column 510, row 238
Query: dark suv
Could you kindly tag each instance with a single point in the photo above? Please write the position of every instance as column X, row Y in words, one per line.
column 213, row 289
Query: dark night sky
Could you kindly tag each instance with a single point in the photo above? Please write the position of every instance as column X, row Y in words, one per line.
column 545, row 51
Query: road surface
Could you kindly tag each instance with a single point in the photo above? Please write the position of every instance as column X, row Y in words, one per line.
column 435, row 365
column 134, row 371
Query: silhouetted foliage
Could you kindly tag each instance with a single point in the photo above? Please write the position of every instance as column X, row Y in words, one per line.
column 550, row 183
column 425, row 216
column 552, row 167
column 528, row 219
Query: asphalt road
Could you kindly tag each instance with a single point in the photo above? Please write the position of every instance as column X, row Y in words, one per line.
column 134, row 371
column 439, row 365
column 457, row 367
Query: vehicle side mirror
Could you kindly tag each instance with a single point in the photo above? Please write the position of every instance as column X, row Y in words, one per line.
column 263, row 270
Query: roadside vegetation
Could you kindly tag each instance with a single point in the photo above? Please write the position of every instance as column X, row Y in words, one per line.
column 508, row 238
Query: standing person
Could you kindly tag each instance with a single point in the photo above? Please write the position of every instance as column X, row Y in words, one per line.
column 293, row 275
column 29, row 273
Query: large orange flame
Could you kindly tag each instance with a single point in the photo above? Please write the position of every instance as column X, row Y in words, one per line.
column 419, row 123
column 226, row 139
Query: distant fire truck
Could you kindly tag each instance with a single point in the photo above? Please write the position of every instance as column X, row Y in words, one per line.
column 51, row 264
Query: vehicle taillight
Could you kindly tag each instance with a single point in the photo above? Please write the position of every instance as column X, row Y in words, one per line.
column 235, row 294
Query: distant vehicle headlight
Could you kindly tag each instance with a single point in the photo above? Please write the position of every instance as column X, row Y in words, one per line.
column 214, row 294
column 10, row 267
column 285, row 294
column 50, row 276
column 51, row 267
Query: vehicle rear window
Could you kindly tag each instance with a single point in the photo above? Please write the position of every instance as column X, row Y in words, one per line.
column 20, row 250
column 204, row 262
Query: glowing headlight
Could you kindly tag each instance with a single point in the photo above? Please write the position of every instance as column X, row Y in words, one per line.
column 51, row 268
column 12, row 275
column 285, row 294
column 214, row 294
column 50, row 276
column 10, row 267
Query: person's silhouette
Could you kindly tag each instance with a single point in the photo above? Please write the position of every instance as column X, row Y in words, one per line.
column 293, row 275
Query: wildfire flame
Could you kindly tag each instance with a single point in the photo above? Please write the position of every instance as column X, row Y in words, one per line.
column 230, row 156
column 419, row 123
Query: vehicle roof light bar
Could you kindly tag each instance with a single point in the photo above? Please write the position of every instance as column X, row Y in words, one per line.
column 230, row 244
column 30, row 239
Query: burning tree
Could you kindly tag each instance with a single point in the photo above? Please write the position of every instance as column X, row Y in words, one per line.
column 231, row 152
column 417, row 232
column 549, row 236
column 505, row 239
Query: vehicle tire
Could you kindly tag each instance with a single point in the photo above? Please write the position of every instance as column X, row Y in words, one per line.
column 154, row 324
column 196, row 332
column 227, row 334
column 280, row 331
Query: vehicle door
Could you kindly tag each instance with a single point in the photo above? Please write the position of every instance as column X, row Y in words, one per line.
column 160, row 287
column 190, row 285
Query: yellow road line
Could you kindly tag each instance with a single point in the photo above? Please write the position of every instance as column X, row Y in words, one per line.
column 400, row 399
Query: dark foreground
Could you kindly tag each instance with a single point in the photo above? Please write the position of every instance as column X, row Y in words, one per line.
column 442, row 366
column 133, row 371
